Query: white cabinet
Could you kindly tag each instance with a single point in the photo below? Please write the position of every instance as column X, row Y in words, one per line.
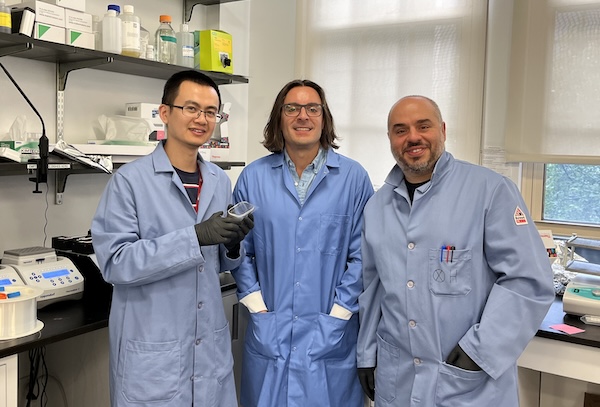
column 9, row 381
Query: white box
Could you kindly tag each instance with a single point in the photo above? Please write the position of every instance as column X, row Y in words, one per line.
column 44, row 12
column 76, row 20
column 49, row 33
column 144, row 110
column 78, row 5
column 219, row 154
column 204, row 153
column 79, row 39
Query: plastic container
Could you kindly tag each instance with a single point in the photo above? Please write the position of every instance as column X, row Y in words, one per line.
column 5, row 19
column 111, row 32
column 130, row 32
column 97, row 31
column 150, row 53
column 165, row 41
column 18, row 311
column 241, row 209
column 144, row 41
column 185, row 47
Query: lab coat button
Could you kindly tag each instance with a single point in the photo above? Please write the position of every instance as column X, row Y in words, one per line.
column 300, row 218
column 411, row 246
column 298, row 250
column 198, row 341
column 297, row 283
column 294, row 348
column 200, row 305
column 412, row 323
column 417, row 361
column 295, row 317
column 192, row 378
column 410, row 284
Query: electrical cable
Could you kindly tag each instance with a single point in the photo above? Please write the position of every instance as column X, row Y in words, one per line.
column 41, row 173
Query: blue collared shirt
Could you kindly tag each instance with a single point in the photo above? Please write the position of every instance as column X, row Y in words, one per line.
column 308, row 175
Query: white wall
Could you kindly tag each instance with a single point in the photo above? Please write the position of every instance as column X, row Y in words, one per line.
column 263, row 49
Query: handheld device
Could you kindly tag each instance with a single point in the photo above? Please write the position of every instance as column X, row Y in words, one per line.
column 241, row 209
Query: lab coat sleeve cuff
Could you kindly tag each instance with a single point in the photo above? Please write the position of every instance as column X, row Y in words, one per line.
column 254, row 302
column 340, row 312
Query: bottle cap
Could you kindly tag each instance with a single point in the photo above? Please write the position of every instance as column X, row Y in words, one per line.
column 165, row 18
column 128, row 8
column 115, row 7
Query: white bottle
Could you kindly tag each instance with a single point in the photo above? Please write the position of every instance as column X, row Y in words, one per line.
column 166, row 42
column 111, row 32
column 130, row 32
column 150, row 52
column 185, row 47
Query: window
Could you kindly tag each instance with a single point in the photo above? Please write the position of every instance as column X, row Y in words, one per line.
column 368, row 54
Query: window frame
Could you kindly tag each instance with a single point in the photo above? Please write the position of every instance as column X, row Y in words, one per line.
column 532, row 189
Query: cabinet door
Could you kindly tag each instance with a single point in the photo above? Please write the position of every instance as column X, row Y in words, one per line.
column 8, row 381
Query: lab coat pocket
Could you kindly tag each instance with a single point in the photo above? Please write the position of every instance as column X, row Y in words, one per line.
column 151, row 371
column 262, row 334
column 332, row 337
column 386, row 373
column 332, row 233
column 222, row 354
column 450, row 272
column 457, row 387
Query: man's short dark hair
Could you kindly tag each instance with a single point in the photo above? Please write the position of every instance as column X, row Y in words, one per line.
column 171, row 89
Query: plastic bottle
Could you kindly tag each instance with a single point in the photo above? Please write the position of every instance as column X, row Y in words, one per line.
column 144, row 41
column 111, row 31
column 150, row 53
column 166, row 42
column 5, row 19
column 185, row 47
column 130, row 32
column 97, row 30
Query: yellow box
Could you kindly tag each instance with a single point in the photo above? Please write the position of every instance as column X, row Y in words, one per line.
column 215, row 51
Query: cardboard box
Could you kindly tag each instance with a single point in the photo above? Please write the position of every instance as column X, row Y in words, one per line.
column 49, row 33
column 148, row 111
column 79, row 39
column 76, row 20
column 45, row 13
column 78, row 5
column 215, row 51
column 26, row 149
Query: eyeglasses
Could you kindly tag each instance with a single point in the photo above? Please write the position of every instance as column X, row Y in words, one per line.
column 312, row 109
column 194, row 112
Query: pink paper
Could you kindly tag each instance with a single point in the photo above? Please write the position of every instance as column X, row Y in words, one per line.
column 568, row 329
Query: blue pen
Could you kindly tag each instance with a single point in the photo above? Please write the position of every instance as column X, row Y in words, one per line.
column 442, row 253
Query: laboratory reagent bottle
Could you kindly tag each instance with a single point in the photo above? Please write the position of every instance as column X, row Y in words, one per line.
column 144, row 41
column 185, row 47
column 97, row 31
column 111, row 31
column 5, row 18
column 130, row 32
column 166, row 42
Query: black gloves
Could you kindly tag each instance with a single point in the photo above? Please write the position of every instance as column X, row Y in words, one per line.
column 228, row 230
column 460, row 359
column 366, row 376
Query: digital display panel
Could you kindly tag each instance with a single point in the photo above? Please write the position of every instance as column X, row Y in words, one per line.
column 6, row 281
column 56, row 273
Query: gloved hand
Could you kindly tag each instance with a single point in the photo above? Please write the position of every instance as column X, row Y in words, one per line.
column 460, row 359
column 218, row 229
column 366, row 376
column 233, row 246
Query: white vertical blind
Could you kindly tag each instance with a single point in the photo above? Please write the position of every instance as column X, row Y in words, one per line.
column 368, row 54
column 554, row 89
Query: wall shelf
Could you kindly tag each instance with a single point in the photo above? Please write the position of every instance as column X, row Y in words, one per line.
column 62, row 168
column 70, row 58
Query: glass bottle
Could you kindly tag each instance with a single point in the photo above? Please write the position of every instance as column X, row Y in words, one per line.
column 166, row 42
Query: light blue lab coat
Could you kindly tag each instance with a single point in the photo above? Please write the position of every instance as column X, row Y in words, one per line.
column 489, row 295
column 303, row 258
column 169, row 337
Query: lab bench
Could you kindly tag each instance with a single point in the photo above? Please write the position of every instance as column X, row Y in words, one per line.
column 562, row 366
column 72, row 318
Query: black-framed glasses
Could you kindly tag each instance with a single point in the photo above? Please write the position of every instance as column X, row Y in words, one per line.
column 193, row 112
column 312, row 109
